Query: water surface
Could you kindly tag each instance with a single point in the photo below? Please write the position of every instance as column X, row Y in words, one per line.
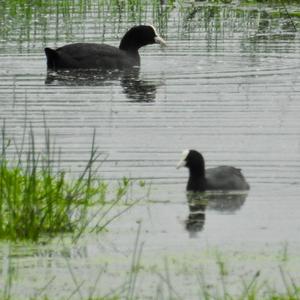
column 228, row 85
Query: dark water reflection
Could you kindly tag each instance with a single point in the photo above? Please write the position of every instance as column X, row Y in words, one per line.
column 134, row 88
column 286, row 29
column 226, row 202
column 138, row 90
column 196, row 219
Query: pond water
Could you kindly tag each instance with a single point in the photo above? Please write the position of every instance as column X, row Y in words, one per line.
column 228, row 85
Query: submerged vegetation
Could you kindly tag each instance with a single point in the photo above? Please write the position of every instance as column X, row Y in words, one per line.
column 167, row 277
column 36, row 200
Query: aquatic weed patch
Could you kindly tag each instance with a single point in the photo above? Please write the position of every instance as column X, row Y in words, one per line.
column 37, row 200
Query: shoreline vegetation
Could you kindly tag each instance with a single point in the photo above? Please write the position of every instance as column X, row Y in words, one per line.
column 36, row 200
column 31, row 19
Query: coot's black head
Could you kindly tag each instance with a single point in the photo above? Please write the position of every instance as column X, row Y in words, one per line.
column 193, row 160
column 139, row 36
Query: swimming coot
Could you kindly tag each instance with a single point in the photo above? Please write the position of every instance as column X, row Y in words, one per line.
column 91, row 55
column 219, row 178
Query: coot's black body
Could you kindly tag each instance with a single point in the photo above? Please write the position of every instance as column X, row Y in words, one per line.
column 219, row 178
column 95, row 56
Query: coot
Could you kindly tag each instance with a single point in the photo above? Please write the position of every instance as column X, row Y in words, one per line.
column 91, row 55
column 219, row 178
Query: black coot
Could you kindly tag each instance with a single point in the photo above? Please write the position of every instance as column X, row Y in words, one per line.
column 95, row 56
column 219, row 178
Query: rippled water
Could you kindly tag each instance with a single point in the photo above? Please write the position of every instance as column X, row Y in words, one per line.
column 228, row 84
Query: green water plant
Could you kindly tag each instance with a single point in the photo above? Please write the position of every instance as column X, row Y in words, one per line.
column 37, row 200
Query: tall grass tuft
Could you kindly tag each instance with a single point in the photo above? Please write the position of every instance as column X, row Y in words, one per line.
column 36, row 200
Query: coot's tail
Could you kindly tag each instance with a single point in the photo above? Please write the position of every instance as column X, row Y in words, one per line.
column 52, row 57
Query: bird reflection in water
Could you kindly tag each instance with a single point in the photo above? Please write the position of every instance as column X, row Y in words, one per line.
column 134, row 88
column 138, row 90
column 199, row 202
